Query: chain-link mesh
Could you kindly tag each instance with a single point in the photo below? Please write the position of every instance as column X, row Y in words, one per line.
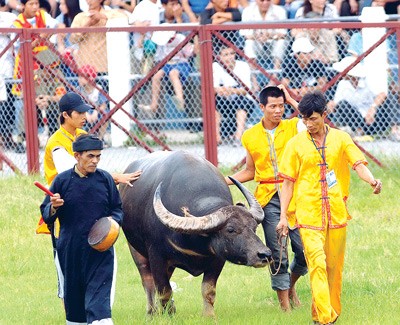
column 157, row 77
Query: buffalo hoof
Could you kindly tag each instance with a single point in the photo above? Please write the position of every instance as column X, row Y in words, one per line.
column 170, row 308
column 209, row 312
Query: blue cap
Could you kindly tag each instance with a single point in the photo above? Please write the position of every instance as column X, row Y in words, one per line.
column 73, row 101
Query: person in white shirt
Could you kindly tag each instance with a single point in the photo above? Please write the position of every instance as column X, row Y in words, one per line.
column 232, row 99
column 267, row 45
column 6, row 71
column 146, row 13
column 355, row 104
column 177, row 69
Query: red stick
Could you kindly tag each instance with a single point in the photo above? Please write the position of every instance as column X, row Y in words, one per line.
column 43, row 188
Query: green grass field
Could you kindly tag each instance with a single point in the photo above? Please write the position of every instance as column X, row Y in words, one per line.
column 371, row 287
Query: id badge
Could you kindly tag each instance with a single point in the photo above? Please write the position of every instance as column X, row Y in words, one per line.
column 331, row 179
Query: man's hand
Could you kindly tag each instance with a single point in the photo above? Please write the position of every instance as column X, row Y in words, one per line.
column 262, row 36
column 288, row 98
column 94, row 18
column 56, row 201
column 377, row 186
column 282, row 226
column 127, row 178
column 178, row 11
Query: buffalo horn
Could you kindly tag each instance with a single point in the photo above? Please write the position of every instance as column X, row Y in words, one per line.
column 188, row 224
column 255, row 208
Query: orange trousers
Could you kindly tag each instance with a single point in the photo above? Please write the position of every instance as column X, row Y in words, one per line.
column 324, row 251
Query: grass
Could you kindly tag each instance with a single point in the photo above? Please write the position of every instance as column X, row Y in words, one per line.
column 371, row 284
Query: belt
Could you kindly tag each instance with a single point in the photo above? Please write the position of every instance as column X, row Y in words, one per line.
column 272, row 181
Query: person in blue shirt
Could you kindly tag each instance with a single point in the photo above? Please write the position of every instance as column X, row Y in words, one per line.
column 83, row 195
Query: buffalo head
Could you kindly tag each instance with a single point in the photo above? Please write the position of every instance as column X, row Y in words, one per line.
column 231, row 229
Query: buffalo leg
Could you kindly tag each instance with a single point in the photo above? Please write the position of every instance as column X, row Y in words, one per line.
column 161, row 275
column 208, row 288
column 142, row 263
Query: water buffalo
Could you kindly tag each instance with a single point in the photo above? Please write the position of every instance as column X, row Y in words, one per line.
column 180, row 213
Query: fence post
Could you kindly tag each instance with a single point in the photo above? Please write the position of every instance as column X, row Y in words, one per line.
column 207, row 95
column 376, row 62
column 28, row 91
column 119, row 69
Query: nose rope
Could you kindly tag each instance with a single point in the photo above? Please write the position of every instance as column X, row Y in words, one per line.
column 283, row 247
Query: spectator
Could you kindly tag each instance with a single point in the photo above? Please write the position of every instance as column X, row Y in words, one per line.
column 177, row 69
column 232, row 99
column 194, row 8
column 355, row 44
column 92, row 46
column 240, row 4
column 33, row 17
column 17, row 6
column 301, row 71
column 324, row 40
column 69, row 9
column 292, row 6
column 90, row 91
column 392, row 105
column 173, row 12
column 218, row 13
column 146, row 13
column 4, row 6
column 127, row 6
column 49, row 89
column 323, row 9
column 6, row 71
column 392, row 7
column 267, row 45
column 346, row 7
column 355, row 104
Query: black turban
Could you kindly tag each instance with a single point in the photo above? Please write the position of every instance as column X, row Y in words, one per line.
column 87, row 142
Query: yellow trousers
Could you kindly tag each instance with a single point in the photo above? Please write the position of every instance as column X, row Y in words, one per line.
column 324, row 251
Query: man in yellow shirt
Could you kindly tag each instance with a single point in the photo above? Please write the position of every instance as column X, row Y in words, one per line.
column 58, row 152
column 264, row 143
column 315, row 166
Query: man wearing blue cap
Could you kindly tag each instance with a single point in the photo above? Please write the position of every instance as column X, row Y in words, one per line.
column 58, row 152
column 83, row 195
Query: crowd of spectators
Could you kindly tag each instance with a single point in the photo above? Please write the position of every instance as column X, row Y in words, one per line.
column 302, row 59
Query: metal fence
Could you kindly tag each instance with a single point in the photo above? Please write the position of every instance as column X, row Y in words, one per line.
column 196, row 87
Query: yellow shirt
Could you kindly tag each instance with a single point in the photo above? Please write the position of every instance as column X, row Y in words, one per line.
column 266, row 152
column 317, row 204
column 60, row 139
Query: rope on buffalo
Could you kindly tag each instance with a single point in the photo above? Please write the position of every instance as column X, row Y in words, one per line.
column 283, row 247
